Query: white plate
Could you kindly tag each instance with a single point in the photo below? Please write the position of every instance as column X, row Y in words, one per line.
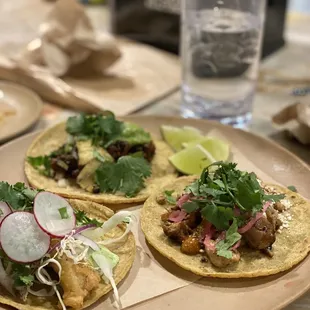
column 23, row 107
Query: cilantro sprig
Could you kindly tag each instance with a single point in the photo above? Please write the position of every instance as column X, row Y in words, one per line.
column 231, row 238
column 82, row 219
column 100, row 129
column 44, row 163
column 220, row 189
column 169, row 198
column 127, row 175
column 18, row 196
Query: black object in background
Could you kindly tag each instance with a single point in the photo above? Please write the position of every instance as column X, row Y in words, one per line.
column 133, row 19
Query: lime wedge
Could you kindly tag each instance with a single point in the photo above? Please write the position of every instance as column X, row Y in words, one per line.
column 218, row 149
column 175, row 136
column 192, row 160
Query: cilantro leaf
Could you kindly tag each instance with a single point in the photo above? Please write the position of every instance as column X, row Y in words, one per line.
column 218, row 216
column 232, row 237
column 249, row 193
column 22, row 274
column 127, row 175
column 42, row 164
column 190, row 206
column 193, row 188
column 82, row 219
column 169, row 198
column 274, row 198
column 26, row 280
column 99, row 128
column 18, row 196
column 292, row 188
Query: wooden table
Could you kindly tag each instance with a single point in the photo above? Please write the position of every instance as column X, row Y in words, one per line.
column 292, row 61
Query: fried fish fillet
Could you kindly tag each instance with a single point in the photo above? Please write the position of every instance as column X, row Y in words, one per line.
column 77, row 281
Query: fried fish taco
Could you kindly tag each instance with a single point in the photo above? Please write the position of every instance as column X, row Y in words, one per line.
column 98, row 158
column 57, row 253
column 227, row 224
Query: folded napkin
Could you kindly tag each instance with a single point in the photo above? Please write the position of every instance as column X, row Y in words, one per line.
column 68, row 45
column 296, row 120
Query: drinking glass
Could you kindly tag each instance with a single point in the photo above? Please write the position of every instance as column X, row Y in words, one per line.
column 221, row 46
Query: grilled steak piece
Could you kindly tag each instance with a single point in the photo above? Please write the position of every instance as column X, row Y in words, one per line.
column 66, row 164
column 123, row 148
column 180, row 231
column 118, row 149
column 272, row 217
column 279, row 206
column 176, row 231
column 261, row 235
column 220, row 261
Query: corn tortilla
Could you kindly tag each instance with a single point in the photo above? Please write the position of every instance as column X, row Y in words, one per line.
column 125, row 249
column 290, row 248
column 56, row 136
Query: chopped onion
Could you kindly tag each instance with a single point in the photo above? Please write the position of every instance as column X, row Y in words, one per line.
column 41, row 293
column 111, row 223
column 5, row 280
column 62, row 183
column 110, row 241
column 177, row 216
column 184, row 198
column 92, row 244
column 258, row 215
column 43, row 276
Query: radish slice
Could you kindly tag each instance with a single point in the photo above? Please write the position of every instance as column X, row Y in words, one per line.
column 4, row 210
column 22, row 239
column 53, row 214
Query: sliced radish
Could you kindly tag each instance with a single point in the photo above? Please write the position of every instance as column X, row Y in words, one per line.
column 22, row 239
column 4, row 210
column 54, row 214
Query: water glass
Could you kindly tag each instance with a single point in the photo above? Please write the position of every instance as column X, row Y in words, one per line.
column 221, row 46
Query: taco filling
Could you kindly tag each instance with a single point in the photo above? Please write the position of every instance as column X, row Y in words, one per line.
column 50, row 249
column 102, row 155
column 221, row 212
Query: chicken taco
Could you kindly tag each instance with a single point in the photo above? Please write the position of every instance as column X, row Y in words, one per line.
column 98, row 158
column 57, row 253
column 228, row 224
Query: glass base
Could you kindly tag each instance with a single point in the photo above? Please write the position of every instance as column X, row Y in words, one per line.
column 237, row 114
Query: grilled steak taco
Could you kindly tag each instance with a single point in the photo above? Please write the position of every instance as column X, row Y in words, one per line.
column 98, row 158
column 58, row 253
column 228, row 224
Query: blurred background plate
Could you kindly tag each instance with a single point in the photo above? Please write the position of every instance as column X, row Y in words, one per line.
column 20, row 108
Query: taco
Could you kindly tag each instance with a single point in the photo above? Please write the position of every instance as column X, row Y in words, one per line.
column 228, row 224
column 58, row 253
column 98, row 158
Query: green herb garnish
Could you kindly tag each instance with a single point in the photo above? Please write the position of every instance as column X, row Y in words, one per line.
column 82, row 219
column 18, row 196
column 231, row 238
column 169, row 198
column 127, row 175
column 133, row 135
column 220, row 191
column 63, row 213
column 42, row 164
column 100, row 129
column 292, row 188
